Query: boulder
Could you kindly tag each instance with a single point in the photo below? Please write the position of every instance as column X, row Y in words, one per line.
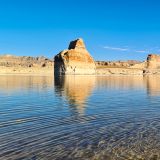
column 75, row 60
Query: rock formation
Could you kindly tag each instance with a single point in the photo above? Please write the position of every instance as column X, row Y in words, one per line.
column 10, row 64
column 76, row 60
column 114, row 64
column 153, row 64
column 153, row 61
column 141, row 66
column 130, row 67
column 24, row 61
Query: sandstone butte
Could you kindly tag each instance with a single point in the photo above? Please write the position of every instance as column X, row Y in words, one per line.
column 153, row 64
column 76, row 60
column 153, row 61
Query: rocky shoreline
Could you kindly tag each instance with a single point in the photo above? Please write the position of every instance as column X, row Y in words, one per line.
column 29, row 65
column 10, row 64
column 76, row 60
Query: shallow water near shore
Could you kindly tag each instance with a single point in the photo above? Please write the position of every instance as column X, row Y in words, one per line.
column 79, row 117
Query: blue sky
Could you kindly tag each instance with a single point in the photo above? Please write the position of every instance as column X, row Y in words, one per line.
column 111, row 29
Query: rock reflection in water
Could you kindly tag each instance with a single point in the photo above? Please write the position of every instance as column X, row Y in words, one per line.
column 12, row 83
column 76, row 89
column 120, row 82
column 80, row 117
column 152, row 85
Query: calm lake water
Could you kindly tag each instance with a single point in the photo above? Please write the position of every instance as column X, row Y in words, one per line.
column 82, row 117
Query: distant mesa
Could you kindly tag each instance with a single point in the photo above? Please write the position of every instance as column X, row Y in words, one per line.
column 9, row 60
column 76, row 60
column 8, row 55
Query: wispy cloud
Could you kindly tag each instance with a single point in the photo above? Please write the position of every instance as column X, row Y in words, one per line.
column 116, row 48
column 126, row 48
column 145, row 50
column 141, row 51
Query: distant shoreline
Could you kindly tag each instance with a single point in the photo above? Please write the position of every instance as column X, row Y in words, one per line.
column 26, row 65
column 50, row 71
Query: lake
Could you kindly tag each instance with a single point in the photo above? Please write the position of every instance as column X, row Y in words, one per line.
column 79, row 117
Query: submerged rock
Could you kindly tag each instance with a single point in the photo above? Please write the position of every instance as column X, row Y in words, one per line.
column 76, row 60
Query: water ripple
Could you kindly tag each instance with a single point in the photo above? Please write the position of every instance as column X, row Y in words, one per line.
column 82, row 117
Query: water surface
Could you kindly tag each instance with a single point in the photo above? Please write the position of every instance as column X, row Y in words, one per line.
column 82, row 117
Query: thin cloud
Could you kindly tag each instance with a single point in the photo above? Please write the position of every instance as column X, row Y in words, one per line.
column 126, row 48
column 116, row 48
column 141, row 51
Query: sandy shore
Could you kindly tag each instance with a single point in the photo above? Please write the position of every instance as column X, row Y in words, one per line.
column 49, row 71
column 26, row 71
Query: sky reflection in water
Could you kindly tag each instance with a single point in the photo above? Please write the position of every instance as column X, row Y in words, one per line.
column 79, row 117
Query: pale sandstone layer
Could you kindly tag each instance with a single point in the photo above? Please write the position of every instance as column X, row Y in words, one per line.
column 153, row 61
column 120, row 68
column 119, row 71
column 24, row 71
column 117, row 64
column 153, row 64
column 77, row 60
column 74, row 61
column 10, row 64
column 150, row 66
